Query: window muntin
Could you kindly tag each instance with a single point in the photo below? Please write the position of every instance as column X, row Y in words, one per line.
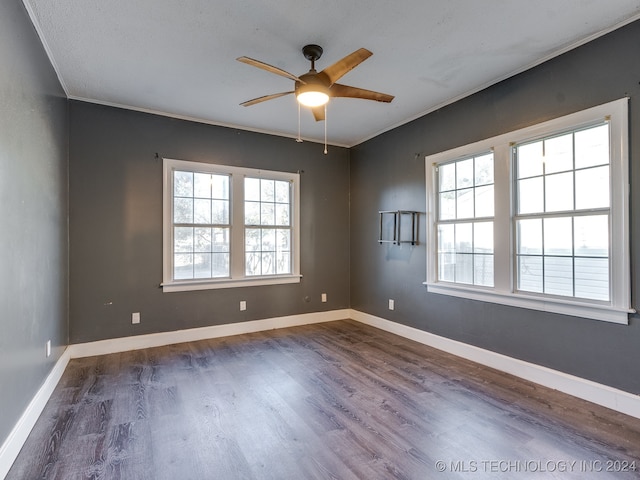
column 465, row 248
column 228, row 226
column 563, row 207
column 533, row 198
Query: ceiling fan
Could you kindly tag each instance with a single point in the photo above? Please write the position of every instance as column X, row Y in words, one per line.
column 313, row 89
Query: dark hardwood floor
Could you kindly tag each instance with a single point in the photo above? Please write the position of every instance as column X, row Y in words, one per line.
column 338, row 400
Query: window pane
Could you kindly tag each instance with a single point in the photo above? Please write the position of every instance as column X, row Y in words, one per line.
column 464, row 207
column 464, row 173
column 267, row 214
column 592, row 278
column 464, row 268
column 252, row 189
column 530, row 197
column 282, row 214
column 268, row 240
column 558, row 154
column 267, row 190
column 484, row 201
column 592, row 146
column 202, row 265
column 283, row 239
column 592, row 236
column 530, row 160
column 268, row 263
column 558, row 276
column 559, row 192
column 283, row 264
column 252, row 239
column 464, row 237
column 220, row 265
column 201, row 185
column 220, row 212
column 183, row 266
column 592, row 188
column 483, row 237
column 253, row 263
column 202, row 211
column 529, row 236
column 202, row 240
column 447, row 177
column 251, row 213
column 220, row 187
column 282, row 192
column 446, row 238
column 446, row 267
column 182, row 210
column 558, row 236
column 221, row 239
column 447, row 205
column 183, row 239
column 530, row 274
column 484, row 169
column 483, row 270
column 182, row 184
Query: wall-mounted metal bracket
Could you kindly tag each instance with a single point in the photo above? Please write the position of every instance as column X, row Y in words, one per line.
column 398, row 234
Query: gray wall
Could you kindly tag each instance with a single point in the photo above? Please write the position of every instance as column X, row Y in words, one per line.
column 387, row 172
column 33, row 214
column 116, row 223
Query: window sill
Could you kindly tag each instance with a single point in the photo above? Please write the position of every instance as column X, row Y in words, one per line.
column 188, row 285
column 606, row 313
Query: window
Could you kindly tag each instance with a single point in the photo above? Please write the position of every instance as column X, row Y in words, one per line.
column 465, row 220
column 541, row 221
column 562, row 214
column 267, row 221
column 228, row 226
column 201, row 225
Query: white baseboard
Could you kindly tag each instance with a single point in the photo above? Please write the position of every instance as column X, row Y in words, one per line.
column 598, row 393
column 14, row 442
column 137, row 342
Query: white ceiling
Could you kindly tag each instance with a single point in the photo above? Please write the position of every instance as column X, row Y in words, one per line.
column 177, row 57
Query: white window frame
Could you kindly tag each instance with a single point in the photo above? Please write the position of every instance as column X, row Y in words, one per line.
column 237, row 277
column 616, row 310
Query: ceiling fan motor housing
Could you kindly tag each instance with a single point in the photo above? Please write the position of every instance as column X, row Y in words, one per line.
column 312, row 81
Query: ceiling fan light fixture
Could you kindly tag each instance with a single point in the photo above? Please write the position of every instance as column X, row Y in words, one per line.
column 312, row 95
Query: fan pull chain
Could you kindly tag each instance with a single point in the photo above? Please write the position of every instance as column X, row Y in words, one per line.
column 299, row 140
column 325, row 128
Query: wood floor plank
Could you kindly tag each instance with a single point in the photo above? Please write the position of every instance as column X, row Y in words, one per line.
column 338, row 400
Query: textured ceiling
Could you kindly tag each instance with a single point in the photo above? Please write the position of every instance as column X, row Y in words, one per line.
column 177, row 57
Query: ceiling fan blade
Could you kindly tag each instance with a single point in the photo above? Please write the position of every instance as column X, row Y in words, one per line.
column 338, row 90
column 248, row 103
column 268, row 68
column 341, row 67
column 318, row 113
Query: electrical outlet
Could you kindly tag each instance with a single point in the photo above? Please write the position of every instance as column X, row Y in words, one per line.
column 324, row 298
column 392, row 305
column 243, row 305
column 135, row 317
column 48, row 348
